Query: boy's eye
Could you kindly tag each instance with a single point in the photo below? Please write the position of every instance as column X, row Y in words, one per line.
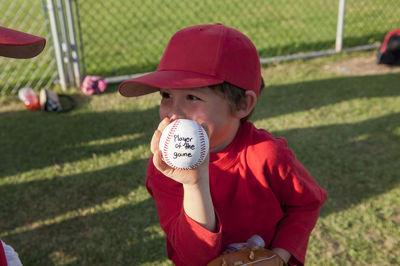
column 165, row 95
column 193, row 98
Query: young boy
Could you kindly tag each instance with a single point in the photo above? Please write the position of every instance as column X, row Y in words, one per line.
column 251, row 183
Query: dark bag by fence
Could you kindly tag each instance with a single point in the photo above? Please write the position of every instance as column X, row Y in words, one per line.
column 389, row 52
column 51, row 101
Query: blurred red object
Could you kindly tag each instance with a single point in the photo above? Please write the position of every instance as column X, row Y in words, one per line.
column 29, row 99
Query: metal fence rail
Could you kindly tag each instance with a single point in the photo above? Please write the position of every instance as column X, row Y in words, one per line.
column 118, row 38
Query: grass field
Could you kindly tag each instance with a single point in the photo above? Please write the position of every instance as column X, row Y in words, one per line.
column 72, row 185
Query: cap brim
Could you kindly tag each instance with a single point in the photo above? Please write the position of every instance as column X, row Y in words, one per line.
column 166, row 79
column 17, row 44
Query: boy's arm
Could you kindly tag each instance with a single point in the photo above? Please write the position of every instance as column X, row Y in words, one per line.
column 188, row 242
column 198, row 205
column 197, row 200
column 185, row 210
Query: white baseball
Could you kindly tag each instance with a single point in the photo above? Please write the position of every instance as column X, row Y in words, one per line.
column 184, row 144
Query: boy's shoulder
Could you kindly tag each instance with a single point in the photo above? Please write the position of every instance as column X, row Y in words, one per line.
column 258, row 137
column 263, row 146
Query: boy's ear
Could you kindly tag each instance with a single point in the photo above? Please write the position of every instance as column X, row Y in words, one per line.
column 247, row 104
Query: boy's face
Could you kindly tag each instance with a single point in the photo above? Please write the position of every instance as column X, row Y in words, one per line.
column 202, row 105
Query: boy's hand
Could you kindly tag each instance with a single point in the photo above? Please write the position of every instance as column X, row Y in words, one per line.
column 186, row 177
column 283, row 254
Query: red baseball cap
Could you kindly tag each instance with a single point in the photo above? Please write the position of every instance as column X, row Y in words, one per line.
column 17, row 44
column 200, row 56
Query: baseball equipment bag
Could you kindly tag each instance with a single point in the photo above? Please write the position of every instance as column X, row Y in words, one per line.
column 93, row 85
column 53, row 102
column 389, row 52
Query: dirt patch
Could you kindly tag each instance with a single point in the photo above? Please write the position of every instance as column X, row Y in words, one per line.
column 360, row 66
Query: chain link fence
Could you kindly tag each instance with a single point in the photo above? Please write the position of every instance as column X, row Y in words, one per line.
column 117, row 38
column 39, row 72
column 368, row 21
column 125, row 37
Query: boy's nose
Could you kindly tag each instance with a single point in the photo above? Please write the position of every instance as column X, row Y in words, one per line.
column 177, row 113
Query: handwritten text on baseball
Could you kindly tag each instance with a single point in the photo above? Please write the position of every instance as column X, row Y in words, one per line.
column 183, row 142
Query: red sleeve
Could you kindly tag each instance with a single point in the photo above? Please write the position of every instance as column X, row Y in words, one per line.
column 301, row 199
column 188, row 243
column 3, row 259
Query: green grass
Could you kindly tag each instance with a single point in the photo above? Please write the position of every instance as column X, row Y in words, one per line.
column 72, row 185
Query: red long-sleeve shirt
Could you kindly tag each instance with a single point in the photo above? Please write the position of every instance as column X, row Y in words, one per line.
column 257, row 187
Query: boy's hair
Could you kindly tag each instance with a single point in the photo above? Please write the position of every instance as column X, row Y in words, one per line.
column 234, row 95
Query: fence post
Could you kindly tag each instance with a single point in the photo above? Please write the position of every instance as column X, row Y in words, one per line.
column 57, row 45
column 65, row 45
column 73, row 43
column 340, row 26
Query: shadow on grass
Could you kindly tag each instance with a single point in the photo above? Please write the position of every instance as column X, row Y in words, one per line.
column 62, row 218
column 34, row 140
column 119, row 237
column 353, row 162
column 45, row 199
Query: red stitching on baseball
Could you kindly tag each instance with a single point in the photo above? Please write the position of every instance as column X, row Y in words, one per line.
column 167, row 160
column 202, row 146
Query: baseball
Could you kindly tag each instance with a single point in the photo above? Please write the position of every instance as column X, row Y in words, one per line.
column 184, row 144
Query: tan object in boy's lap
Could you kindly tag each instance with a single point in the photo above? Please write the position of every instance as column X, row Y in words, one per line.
column 248, row 256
